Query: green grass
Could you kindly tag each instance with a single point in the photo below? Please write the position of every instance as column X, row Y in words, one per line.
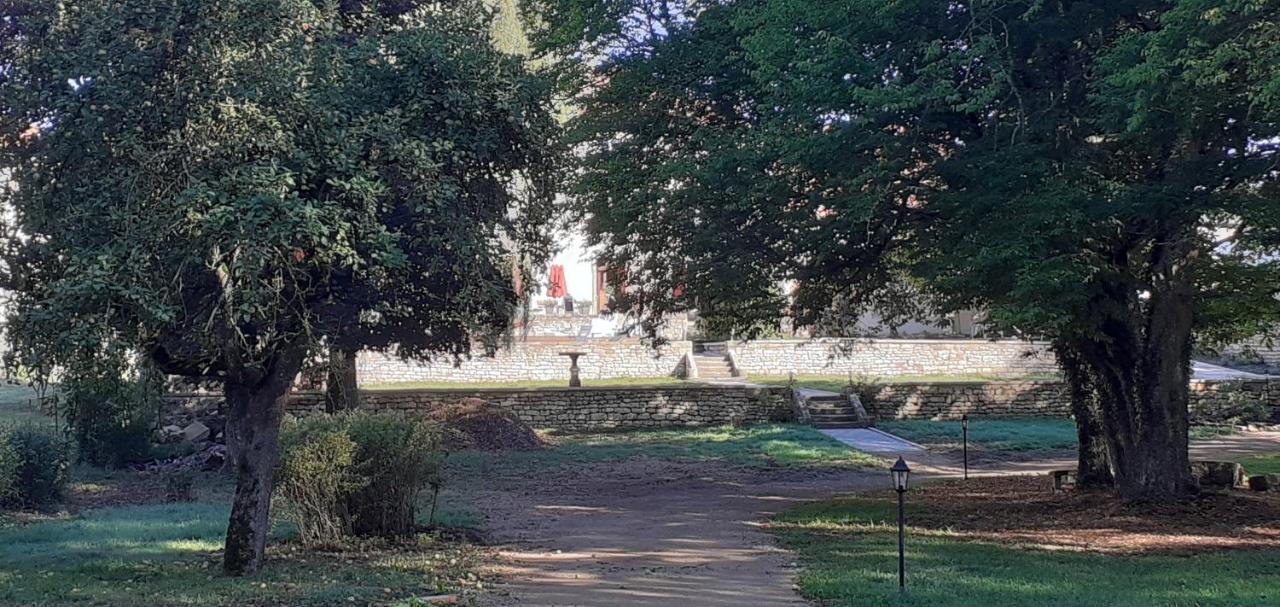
column 558, row 383
column 837, row 383
column 17, row 406
column 762, row 446
column 168, row 555
column 1265, row 464
column 849, row 554
column 990, row 433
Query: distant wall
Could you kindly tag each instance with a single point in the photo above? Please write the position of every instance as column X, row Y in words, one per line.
column 591, row 408
column 1211, row 400
column 892, row 357
column 535, row 360
column 1255, row 351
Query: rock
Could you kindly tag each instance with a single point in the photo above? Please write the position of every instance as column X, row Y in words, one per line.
column 1218, row 475
column 195, row 432
column 214, row 458
column 1264, row 482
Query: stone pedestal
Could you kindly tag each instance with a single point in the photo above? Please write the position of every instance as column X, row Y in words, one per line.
column 574, row 380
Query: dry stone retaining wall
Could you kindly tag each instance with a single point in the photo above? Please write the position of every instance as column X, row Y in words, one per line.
column 893, row 357
column 1211, row 400
column 535, row 360
column 709, row 405
column 591, row 408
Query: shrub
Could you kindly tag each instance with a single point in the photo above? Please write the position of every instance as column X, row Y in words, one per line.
column 110, row 415
column 35, row 464
column 357, row 474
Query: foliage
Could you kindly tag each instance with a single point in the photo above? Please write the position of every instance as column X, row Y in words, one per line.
column 35, row 465
column 1101, row 174
column 228, row 186
column 110, row 411
column 1264, row 464
column 357, row 474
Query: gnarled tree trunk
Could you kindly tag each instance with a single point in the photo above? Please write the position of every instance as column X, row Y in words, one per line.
column 341, row 391
column 255, row 409
column 1093, row 468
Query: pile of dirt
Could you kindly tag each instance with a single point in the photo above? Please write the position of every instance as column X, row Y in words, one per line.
column 1025, row 511
column 477, row 424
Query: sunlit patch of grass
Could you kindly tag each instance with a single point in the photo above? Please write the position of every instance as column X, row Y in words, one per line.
column 838, row 383
column 990, row 433
column 553, row 383
column 1265, row 464
column 762, row 446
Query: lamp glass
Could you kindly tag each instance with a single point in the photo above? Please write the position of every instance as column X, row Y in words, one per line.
column 901, row 474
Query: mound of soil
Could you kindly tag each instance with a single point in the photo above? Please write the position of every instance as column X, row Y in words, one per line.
column 1024, row 510
column 477, row 424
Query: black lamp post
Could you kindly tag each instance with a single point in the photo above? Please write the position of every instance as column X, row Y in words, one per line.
column 964, row 426
column 901, row 474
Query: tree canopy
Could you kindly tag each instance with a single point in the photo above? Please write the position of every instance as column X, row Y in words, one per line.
column 1099, row 174
column 226, row 186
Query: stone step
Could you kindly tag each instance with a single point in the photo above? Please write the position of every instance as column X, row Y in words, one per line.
column 838, row 425
column 841, row 417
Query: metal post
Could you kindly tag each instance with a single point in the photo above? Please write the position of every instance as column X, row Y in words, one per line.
column 965, row 426
column 902, row 543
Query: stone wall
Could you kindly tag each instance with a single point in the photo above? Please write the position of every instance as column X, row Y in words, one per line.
column 676, row 327
column 602, row 408
column 700, row 405
column 893, row 357
column 1257, row 351
column 1211, row 400
column 536, row 359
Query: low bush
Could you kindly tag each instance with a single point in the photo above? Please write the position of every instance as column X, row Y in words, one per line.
column 35, row 465
column 356, row 474
column 110, row 412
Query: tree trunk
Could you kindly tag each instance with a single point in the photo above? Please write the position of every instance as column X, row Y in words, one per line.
column 1140, row 367
column 255, row 410
column 1093, row 467
column 341, row 389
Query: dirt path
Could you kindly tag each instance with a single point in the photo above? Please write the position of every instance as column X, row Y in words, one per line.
column 650, row 533
column 646, row 533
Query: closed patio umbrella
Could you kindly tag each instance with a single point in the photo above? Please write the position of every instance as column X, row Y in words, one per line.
column 556, row 286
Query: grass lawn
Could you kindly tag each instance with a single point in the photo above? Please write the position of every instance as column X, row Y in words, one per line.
column 557, row 383
column 1016, row 434
column 1266, row 464
column 1007, row 434
column 837, row 383
column 169, row 555
column 849, row 551
column 17, row 406
column 762, row 446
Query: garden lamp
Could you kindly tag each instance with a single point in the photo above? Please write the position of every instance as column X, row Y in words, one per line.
column 901, row 476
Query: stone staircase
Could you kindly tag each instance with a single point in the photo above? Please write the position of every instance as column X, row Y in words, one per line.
column 831, row 410
column 713, row 366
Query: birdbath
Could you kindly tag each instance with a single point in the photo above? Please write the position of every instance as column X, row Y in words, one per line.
column 574, row 380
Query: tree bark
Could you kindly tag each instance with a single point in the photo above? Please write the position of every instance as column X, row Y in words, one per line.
column 341, row 387
column 1139, row 364
column 256, row 409
column 1093, row 466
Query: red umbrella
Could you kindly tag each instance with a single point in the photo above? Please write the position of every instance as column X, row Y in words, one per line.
column 556, row 286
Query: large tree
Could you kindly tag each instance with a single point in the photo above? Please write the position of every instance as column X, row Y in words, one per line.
column 1098, row 173
column 232, row 186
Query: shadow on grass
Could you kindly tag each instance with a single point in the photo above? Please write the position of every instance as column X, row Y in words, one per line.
column 169, row 555
column 851, row 559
